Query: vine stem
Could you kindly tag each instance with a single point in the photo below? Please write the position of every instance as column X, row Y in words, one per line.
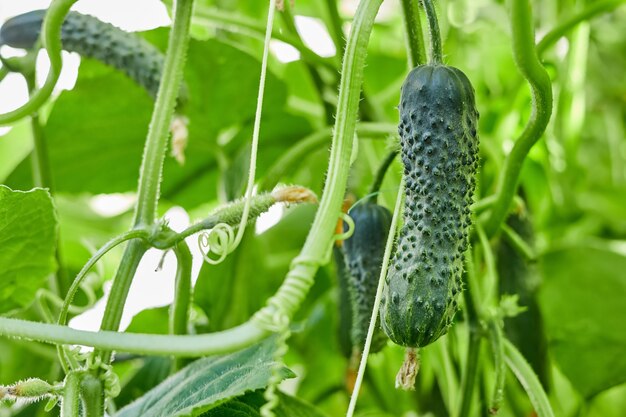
column 379, row 291
column 164, row 345
column 158, row 131
column 51, row 38
column 242, row 24
column 294, row 155
column 436, row 50
column 151, row 165
column 179, row 310
column 590, row 11
column 71, row 395
column 526, row 58
column 416, row 52
column 317, row 246
column 257, row 125
column 380, row 174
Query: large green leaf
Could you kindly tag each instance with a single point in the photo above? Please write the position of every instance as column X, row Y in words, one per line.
column 583, row 304
column 207, row 383
column 109, row 117
column 28, row 229
column 250, row 404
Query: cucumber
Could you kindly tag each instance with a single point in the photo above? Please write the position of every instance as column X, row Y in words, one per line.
column 520, row 276
column 344, row 303
column 439, row 148
column 364, row 252
column 90, row 37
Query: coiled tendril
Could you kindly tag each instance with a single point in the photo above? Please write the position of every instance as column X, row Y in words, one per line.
column 221, row 240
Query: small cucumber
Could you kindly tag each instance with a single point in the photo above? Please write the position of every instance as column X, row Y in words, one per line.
column 364, row 252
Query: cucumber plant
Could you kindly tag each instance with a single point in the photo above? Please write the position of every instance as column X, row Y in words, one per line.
column 445, row 255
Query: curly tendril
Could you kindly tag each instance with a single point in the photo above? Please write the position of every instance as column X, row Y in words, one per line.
column 347, row 233
column 221, row 240
column 51, row 40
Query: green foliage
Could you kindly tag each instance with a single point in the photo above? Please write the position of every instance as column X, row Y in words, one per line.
column 582, row 301
column 28, row 240
column 208, row 382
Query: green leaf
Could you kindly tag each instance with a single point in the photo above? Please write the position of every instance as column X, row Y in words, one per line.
column 152, row 320
column 583, row 303
column 250, row 404
column 28, row 237
column 109, row 117
column 207, row 383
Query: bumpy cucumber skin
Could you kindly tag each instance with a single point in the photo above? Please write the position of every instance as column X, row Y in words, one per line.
column 92, row 38
column 439, row 144
column 364, row 252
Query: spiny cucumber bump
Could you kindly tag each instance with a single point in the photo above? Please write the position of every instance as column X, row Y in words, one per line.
column 439, row 149
column 90, row 37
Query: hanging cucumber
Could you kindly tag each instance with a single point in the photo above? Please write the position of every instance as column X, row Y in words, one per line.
column 92, row 38
column 364, row 252
column 520, row 276
column 439, row 149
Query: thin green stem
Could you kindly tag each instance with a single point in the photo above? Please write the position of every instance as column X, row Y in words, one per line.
column 158, row 131
column 527, row 377
column 518, row 243
column 92, row 394
column 375, row 309
column 70, row 405
column 471, row 371
column 242, row 24
column 119, row 290
column 133, row 234
column 51, row 38
column 336, row 26
column 316, row 140
column 472, row 309
column 380, row 174
column 526, row 58
column 146, row 344
column 494, row 332
column 179, row 311
column 40, row 161
column 592, row 10
column 151, row 165
column 416, row 52
column 288, row 20
column 317, row 246
column 436, row 50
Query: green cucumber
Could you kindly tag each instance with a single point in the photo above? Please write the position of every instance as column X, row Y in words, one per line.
column 520, row 276
column 364, row 252
column 344, row 303
column 90, row 37
column 439, row 148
